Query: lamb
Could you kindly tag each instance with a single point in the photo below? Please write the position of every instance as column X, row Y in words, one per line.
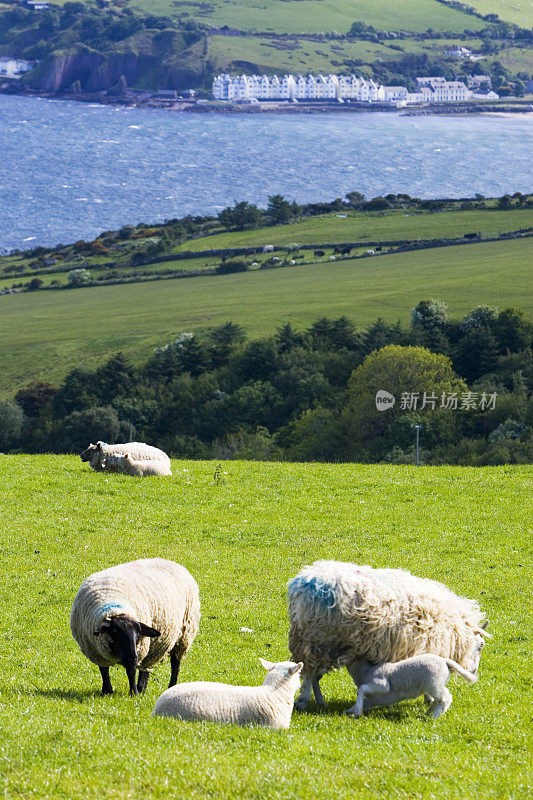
column 125, row 464
column 269, row 705
column 133, row 614
column 387, row 684
column 342, row 614
column 98, row 455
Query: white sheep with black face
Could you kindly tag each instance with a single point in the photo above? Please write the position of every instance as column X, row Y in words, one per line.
column 269, row 705
column 100, row 455
column 342, row 614
column 134, row 614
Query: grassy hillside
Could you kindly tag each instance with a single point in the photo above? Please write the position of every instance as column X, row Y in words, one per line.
column 243, row 537
column 45, row 334
column 314, row 16
column 361, row 227
column 518, row 11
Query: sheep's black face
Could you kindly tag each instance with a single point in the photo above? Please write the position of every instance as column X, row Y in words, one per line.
column 89, row 453
column 124, row 633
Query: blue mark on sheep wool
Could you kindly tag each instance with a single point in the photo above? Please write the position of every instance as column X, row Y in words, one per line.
column 108, row 607
column 314, row 589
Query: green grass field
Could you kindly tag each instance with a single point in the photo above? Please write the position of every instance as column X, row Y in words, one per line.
column 376, row 227
column 243, row 538
column 518, row 11
column 46, row 334
column 315, row 16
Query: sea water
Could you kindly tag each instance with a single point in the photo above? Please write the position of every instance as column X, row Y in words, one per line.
column 71, row 170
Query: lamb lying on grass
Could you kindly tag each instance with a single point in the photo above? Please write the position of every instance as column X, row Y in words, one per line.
column 270, row 704
column 98, row 455
column 124, row 463
column 386, row 684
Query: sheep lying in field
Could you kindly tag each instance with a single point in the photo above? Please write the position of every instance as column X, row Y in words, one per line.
column 388, row 684
column 134, row 614
column 124, row 463
column 99, row 455
column 342, row 614
column 270, row 704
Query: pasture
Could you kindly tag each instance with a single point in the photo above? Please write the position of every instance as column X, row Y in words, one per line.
column 46, row 334
column 244, row 529
column 317, row 15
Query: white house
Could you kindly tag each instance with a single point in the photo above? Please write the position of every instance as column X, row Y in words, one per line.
column 14, row 67
column 331, row 87
column 459, row 52
column 395, row 94
column 475, row 81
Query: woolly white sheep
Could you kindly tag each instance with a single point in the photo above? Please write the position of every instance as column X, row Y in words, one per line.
column 98, row 454
column 134, row 614
column 270, row 704
column 342, row 614
column 125, row 464
column 387, row 684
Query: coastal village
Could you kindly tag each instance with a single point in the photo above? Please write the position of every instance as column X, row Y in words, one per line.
column 342, row 88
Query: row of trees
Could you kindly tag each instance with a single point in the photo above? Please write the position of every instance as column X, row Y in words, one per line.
column 304, row 395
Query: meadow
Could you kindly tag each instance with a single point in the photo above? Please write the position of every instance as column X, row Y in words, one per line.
column 317, row 15
column 244, row 529
column 46, row 334
column 373, row 227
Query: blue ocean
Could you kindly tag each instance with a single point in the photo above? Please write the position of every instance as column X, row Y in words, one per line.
column 70, row 170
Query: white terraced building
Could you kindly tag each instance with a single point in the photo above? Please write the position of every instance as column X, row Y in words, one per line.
column 335, row 87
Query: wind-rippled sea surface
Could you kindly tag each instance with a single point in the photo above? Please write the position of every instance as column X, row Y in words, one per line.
column 69, row 171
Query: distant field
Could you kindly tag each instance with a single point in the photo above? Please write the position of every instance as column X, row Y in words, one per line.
column 369, row 227
column 243, row 537
column 45, row 334
column 518, row 11
column 315, row 16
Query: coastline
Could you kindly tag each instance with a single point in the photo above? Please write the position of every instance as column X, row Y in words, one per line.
column 148, row 100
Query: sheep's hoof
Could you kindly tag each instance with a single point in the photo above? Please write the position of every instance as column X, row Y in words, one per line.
column 106, row 691
column 301, row 705
column 353, row 712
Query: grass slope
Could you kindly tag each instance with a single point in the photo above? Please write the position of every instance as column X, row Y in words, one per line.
column 45, row 334
column 365, row 227
column 518, row 11
column 315, row 16
column 243, row 538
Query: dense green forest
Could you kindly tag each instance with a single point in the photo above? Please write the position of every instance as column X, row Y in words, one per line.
column 304, row 395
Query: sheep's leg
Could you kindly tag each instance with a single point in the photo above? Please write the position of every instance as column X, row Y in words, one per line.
column 428, row 699
column 131, row 670
column 379, row 687
column 142, row 680
column 319, row 697
column 175, row 662
column 441, row 704
column 305, row 691
column 106, row 681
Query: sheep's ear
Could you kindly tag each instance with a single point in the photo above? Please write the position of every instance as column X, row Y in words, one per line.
column 296, row 668
column 99, row 445
column 266, row 664
column 147, row 631
column 104, row 627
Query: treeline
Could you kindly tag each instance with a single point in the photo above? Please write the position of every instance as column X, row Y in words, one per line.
column 304, row 395
column 33, row 35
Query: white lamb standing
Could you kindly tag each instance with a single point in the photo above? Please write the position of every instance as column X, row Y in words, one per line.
column 387, row 684
column 124, row 463
column 269, row 705
column 133, row 614
column 99, row 455
column 342, row 614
